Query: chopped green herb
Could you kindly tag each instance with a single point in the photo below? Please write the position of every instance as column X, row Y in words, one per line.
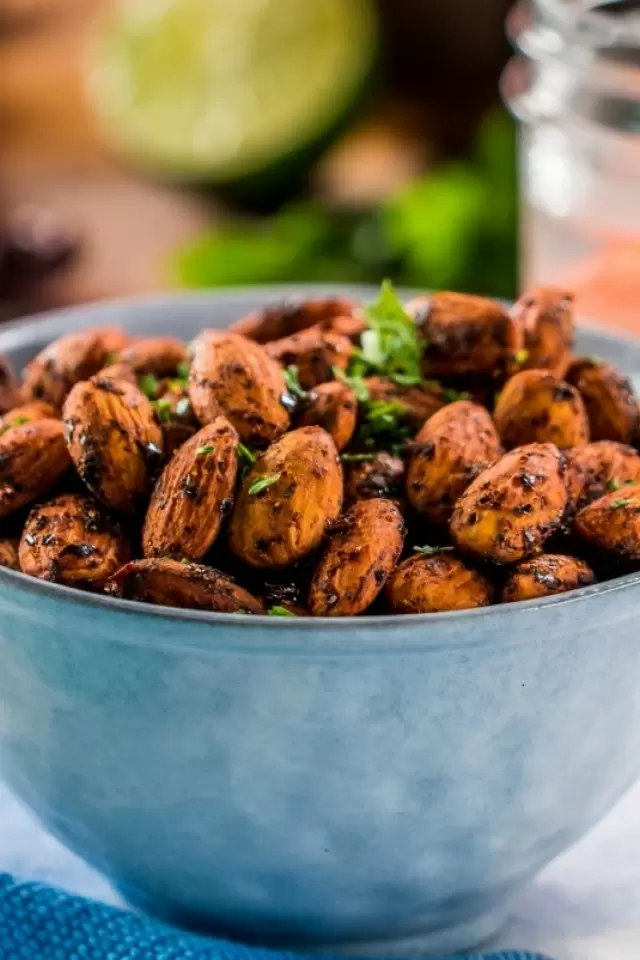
column 453, row 396
column 391, row 345
column 183, row 370
column 280, row 612
column 406, row 379
column 19, row 421
column 521, row 357
column 207, row 448
column 149, row 385
column 354, row 381
column 186, row 561
column 245, row 454
column 357, row 457
column 428, row 551
column 617, row 504
column 183, row 407
column 163, row 409
column 263, row 483
column 292, row 382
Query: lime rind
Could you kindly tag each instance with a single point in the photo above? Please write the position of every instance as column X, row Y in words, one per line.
column 208, row 89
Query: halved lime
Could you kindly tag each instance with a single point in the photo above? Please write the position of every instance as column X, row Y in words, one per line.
column 218, row 90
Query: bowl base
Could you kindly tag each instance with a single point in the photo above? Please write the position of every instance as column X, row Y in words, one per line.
column 466, row 935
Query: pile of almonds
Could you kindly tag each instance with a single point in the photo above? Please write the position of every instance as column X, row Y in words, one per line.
column 324, row 459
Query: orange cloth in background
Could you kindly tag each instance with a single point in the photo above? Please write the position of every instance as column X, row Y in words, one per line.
column 607, row 285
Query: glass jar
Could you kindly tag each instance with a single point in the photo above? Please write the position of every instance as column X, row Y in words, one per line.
column 575, row 88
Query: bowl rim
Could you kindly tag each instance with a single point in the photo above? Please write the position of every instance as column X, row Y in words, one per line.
column 12, row 337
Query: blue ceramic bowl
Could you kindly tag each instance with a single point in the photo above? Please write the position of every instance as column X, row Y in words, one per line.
column 376, row 786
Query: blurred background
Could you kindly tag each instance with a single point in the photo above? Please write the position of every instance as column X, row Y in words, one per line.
column 149, row 144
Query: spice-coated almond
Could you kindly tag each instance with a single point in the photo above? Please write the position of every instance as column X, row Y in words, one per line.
column 454, row 446
column 288, row 500
column 187, row 585
column 509, row 511
column 114, row 440
column 193, row 495
column 536, row 407
column 234, row 377
column 314, row 352
column 282, row 319
column 546, row 317
column 160, row 356
column 63, row 363
column 33, row 457
column 361, row 553
column 72, row 540
column 332, row 406
column 436, row 583
column 544, row 576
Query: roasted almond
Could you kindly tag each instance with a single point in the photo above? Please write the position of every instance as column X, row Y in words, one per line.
column 545, row 315
column 536, row 407
column 546, row 575
column 420, row 401
column 609, row 398
column 278, row 320
column 369, row 475
column 33, row 456
column 114, row 440
column 71, row 540
column 193, row 495
column 9, row 553
column 509, row 511
column 288, row 500
column 332, row 406
column 160, row 356
column 361, row 553
column 314, row 352
column 187, row 585
column 454, row 446
column 27, row 413
column 598, row 468
column 613, row 522
column 466, row 335
column 74, row 357
column 10, row 394
column 436, row 583
column 234, row 377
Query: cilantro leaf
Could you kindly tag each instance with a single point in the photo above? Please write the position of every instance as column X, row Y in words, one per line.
column 391, row 345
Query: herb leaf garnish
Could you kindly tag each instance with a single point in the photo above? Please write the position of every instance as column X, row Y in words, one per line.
column 280, row 612
column 428, row 551
column 263, row 483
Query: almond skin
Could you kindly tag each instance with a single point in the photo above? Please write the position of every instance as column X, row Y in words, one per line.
column 509, row 511
column 160, row 356
column 71, row 540
column 536, row 407
column 613, row 522
column 362, row 551
column 193, row 495
column 27, row 413
column 420, row 401
column 63, row 363
column 466, row 335
column 608, row 396
column 190, row 586
column 332, row 406
column 598, row 468
column 10, row 393
column 287, row 519
column 381, row 476
column 114, row 440
column 33, row 456
column 546, row 575
column 234, row 377
column 278, row 320
column 9, row 554
column 314, row 353
column 433, row 584
column 545, row 315
column 454, row 446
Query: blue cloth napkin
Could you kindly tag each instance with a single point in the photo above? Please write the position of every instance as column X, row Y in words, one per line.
column 38, row 922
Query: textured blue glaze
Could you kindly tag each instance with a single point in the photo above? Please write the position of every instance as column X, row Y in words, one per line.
column 372, row 786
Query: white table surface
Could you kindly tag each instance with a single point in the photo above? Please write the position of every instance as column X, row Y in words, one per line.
column 585, row 906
